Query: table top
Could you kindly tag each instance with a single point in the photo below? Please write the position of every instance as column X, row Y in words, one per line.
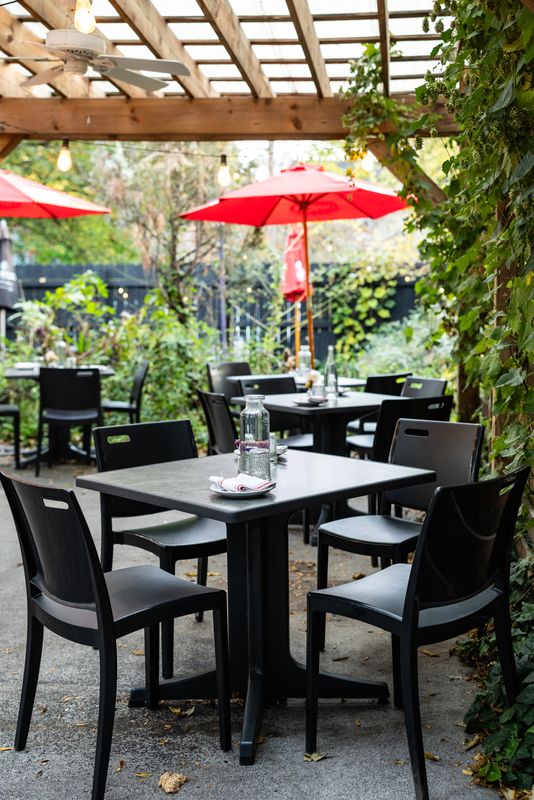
column 358, row 403
column 304, row 478
column 347, row 383
column 31, row 373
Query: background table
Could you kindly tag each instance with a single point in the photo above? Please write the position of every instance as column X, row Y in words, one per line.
column 258, row 563
column 343, row 383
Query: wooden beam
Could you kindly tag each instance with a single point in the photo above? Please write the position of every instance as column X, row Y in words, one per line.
column 303, row 22
column 17, row 40
column 60, row 14
column 11, row 81
column 154, row 32
column 383, row 29
column 225, row 22
column 8, row 144
column 182, row 119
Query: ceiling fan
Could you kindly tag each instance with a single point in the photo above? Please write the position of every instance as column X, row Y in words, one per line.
column 74, row 52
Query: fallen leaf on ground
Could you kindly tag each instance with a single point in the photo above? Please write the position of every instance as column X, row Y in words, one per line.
column 191, row 574
column 143, row 775
column 358, row 576
column 164, row 741
column 426, row 652
column 3, row 749
column 358, row 722
column 42, row 708
column 399, row 761
column 38, row 773
column 120, row 765
column 315, row 756
column 467, row 771
column 172, row 782
column 431, row 756
column 213, row 574
column 7, row 650
column 176, row 710
column 472, row 742
column 340, row 658
column 188, row 712
column 139, row 652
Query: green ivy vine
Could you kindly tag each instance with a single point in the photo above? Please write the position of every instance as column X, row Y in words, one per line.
column 478, row 244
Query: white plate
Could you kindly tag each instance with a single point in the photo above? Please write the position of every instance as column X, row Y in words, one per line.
column 312, row 401
column 240, row 495
column 25, row 365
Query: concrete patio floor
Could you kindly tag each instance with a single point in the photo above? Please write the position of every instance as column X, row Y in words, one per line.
column 366, row 744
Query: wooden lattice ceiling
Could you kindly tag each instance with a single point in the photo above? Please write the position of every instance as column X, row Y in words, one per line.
column 259, row 68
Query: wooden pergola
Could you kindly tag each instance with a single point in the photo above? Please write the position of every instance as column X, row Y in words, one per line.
column 259, row 69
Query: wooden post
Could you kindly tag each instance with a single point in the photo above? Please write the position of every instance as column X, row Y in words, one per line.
column 297, row 332
column 309, row 289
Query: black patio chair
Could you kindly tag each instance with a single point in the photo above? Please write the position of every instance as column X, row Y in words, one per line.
column 218, row 373
column 391, row 383
column 219, row 421
column 126, row 446
column 451, row 449
column 132, row 406
column 12, row 411
column 68, row 397
column 68, row 593
column 278, row 421
column 458, row 580
column 423, row 387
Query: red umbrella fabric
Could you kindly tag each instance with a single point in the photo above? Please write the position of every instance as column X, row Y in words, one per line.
column 303, row 193
column 21, row 197
column 294, row 287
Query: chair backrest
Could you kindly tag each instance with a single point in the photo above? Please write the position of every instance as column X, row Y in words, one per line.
column 219, row 420
column 277, row 384
column 411, row 408
column 451, row 449
column 465, row 543
column 69, row 389
column 59, row 555
column 125, row 446
column 386, row 384
column 423, row 387
column 217, row 374
column 137, row 385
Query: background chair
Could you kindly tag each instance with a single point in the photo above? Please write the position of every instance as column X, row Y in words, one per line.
column 125, row 446
column 68, row 593
column 68, row 397
column 390, row 383
column 451, row 449
column 218, row 373
column 219, row 421
column 458, row 580
column 423, row 387
column 132, row 407
column 278, row 421
column 12, row 411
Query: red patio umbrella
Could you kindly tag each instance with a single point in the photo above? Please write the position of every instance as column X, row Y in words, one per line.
column 303, row 193
column 21, row 197
column 293, row 285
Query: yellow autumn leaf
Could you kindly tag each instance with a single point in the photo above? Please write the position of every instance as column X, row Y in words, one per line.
column 426, row 652
column 172, row 782
column 472, row 742
column 175, row 710
column 3, row 749
column 315, row 756
column 431, row 756
column 139, row 652
column 358, row 576
column 143, row 775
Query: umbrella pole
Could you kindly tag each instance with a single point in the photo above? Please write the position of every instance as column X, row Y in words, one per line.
column 297, row 332
column 309, row 289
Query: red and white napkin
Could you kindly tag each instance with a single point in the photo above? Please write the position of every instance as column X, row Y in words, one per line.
column 241, row 483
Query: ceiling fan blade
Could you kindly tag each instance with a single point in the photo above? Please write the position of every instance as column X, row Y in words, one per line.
column 150, row 84
column 148, row 64
column 60, row 53
column 44, row 77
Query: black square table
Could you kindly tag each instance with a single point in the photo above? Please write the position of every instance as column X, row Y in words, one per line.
column 261, row 663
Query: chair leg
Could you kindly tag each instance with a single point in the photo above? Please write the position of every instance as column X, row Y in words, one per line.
column 306, row 526
column 106, row 717
column 412, row 716
column 315, row 625
column 106, row 548
column 322, row 583
column 202, row 579
column 87, row 442
column 397, row 684
column 167, row 627
column 34, row 648
column 16, row 436
column 222, row 671
column 39, row 447
column 152, row 666
column 503, row 633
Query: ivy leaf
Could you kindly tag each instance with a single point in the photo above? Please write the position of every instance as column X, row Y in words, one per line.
column 523, row 168
column 513, row 377
column 505, row 97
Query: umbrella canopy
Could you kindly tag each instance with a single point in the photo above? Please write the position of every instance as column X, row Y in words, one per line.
column 303, row 193
column 21, row 197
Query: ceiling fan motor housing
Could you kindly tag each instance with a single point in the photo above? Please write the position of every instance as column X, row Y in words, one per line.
column 79, row 45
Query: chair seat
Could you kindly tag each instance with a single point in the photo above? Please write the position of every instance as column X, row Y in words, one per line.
column 362, row 444
column 198, row 534
column 371, row 531
column 117, row 405
column 8, row 410
column 300, row 441
column 81, row 416
column 382, row 595
column 356, row 426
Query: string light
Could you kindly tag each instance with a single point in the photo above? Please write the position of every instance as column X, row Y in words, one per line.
column 224, row 177
column 84, row 18
column 64, row 159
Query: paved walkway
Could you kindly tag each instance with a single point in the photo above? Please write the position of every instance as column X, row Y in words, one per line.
column 366, row 745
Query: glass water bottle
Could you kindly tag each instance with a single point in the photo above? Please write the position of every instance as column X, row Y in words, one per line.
column 330, row 374
column 304, row 359
column 254, row 444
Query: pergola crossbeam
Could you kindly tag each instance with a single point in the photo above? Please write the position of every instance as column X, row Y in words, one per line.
column 303, row 22
column 383, row 27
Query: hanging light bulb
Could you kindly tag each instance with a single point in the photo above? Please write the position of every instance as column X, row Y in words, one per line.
column 84, row 18
column 224, row 177
column 64, row 159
